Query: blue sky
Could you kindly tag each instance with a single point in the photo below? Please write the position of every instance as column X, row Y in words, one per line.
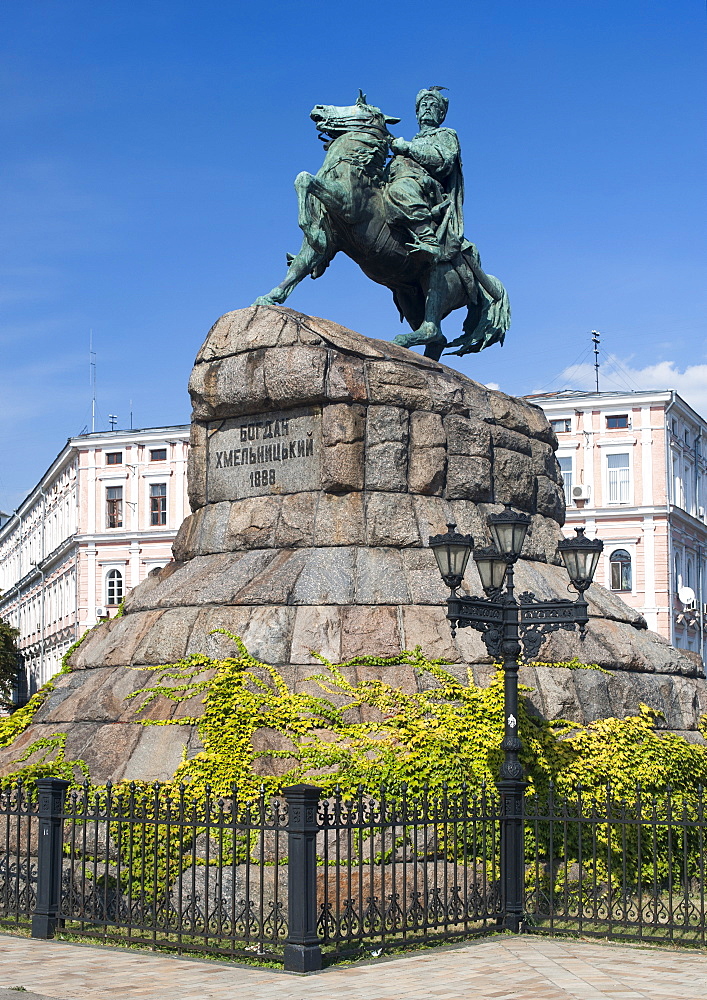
column 148, row 152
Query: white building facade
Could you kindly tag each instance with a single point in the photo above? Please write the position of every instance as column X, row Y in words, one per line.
column 101, row 518
column 634, row 469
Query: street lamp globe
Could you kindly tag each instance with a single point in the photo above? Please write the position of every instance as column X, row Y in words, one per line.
column 508, row 530
column 452, row 551
column 580, row 556
column 492, row 568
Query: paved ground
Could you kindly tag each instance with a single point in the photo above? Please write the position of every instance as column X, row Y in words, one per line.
column 499, row 968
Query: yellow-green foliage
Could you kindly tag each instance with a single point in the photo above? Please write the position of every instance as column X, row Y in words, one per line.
column 51, row 762
column 574, row 664
column 12, row 726
column 448, row 734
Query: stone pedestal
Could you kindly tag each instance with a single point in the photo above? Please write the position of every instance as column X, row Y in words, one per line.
column 320, row 463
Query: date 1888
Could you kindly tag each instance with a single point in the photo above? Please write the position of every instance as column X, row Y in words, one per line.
column 266, row 477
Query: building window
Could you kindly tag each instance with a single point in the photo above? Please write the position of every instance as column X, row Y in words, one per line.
column 158, row 503
column 620, row 562
column 678, row 571
column 562, row 426
column 618, row 477
column 614, row 423
column 566, row 470
column 114, row 458
column 114, row 506
column 158, row 454
column 114, row 587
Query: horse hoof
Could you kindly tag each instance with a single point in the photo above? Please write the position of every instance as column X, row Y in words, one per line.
column 425, row 335
column 266, row 300
column 405, row 340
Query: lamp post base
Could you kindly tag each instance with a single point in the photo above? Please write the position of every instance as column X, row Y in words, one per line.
column 512, row 791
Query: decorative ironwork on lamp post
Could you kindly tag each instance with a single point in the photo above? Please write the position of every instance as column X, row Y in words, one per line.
column 512, row 626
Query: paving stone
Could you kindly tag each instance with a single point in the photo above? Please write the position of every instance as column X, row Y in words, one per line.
column 245, row 329
column 386, row 467
column 159, row 751
column 506, row 967
column 428, row 627
column 511, row 412
column 229, row 387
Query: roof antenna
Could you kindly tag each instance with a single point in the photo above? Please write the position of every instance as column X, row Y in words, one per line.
column 92, row 378
column 595, row 340
column 112, row 420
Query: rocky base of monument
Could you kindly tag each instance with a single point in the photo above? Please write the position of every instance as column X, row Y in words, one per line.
column 321, row 461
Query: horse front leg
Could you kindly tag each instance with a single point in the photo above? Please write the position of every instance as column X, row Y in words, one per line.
column 429, row 332
column 331, row 191
column 299, row 267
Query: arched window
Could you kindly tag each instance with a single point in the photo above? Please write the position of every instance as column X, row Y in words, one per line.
column 620, row 562
column 114, row 587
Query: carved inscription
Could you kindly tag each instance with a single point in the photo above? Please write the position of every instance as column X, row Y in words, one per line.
column 265, row 453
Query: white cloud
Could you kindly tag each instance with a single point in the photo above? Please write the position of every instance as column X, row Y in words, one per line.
column 691, row 383
column 493, row 385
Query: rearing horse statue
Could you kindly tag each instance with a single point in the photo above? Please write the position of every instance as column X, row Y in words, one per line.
column 345, row 207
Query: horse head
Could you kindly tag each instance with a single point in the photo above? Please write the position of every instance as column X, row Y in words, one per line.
column 334, row 121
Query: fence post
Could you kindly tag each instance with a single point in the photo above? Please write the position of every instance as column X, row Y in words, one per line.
column 302, row 950
column 51, row 795
column 512, row 852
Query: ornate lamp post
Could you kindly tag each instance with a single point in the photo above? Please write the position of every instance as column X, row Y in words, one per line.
column 510, row 626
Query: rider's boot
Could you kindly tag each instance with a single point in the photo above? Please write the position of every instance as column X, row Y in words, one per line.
column 424, row 240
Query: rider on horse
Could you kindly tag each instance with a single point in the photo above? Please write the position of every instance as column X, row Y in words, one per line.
column 426, row 190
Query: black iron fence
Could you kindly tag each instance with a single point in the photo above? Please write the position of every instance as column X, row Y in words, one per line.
column 297, row 878
column 628, row 867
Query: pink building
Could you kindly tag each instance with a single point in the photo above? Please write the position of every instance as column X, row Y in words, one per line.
column 100, row 519
column 634, row 470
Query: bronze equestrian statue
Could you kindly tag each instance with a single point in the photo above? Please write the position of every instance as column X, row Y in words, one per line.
column 400, row 219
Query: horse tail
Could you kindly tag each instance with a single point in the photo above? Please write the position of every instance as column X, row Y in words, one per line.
column 488, row 324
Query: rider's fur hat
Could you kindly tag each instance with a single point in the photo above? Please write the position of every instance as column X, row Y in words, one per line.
column 440, row 98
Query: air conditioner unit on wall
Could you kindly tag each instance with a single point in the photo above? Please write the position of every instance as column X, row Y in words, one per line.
column 580, row 492
column 101, row 613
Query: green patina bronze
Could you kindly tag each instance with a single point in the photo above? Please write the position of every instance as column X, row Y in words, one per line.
column 400, row 219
